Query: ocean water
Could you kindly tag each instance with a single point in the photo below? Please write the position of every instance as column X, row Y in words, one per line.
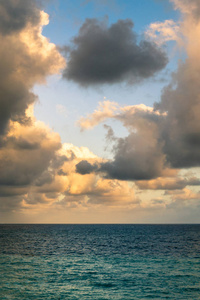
column 99, row 262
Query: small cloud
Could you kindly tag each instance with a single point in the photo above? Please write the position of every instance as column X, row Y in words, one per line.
column 104, row 111
column 84, row 167
column 162, row 32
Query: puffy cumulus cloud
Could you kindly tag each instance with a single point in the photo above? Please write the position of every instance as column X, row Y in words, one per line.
column 97, row 191
column 136, row 157
column 73, row 152
column 181, row 98
column 45, row 175
column 113, row 193
column 162, row 32
column 102, row 54
column 26, row 58
column 25, row 153
column 56, row 183
column 28, row 148
column 29, row 160
column 139, row 155
column 104, row 111
column 90, row 189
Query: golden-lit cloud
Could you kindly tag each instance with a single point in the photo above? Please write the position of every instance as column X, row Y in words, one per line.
column 28, row 147
column 96, row 189
column 27, row 57
column 162, row 183
column 105, row 110
column 162, row 32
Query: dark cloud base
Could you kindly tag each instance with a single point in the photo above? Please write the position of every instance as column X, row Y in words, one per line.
column 14, row 15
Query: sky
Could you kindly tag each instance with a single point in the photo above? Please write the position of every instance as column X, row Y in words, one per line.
column 99, row 111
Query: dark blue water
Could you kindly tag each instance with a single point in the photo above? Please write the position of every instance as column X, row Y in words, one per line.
column 100, row 262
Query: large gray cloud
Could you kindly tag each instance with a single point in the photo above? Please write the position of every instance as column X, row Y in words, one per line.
column 138, row 156
column 180, row 129
column 135, row 158
column 102, row 54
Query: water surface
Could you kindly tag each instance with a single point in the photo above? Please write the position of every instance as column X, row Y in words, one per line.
column 99, row 262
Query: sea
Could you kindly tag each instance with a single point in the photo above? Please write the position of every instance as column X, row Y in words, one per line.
column 99, row 262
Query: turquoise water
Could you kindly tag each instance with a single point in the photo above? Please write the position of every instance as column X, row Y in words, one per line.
column 100, row 262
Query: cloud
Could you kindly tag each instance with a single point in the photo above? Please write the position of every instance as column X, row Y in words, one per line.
column 109, row 109
column 179, row 127
column 102, row 54
column 27, row 156
column 16, row 14
column 89, row 189
column 100, row 192
column 84, row 167
column 139, row 155
column 188, row 7
column 185, row 195
column 166, row 137
column 40, row 174
column 21, row 165
column 104, row 111
column 113, row 192
column 28, row 148
column 27, row 58
column 162, row 32
column 180, row 100
column 45, row 176
column 136, row 157
column 167, row 183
